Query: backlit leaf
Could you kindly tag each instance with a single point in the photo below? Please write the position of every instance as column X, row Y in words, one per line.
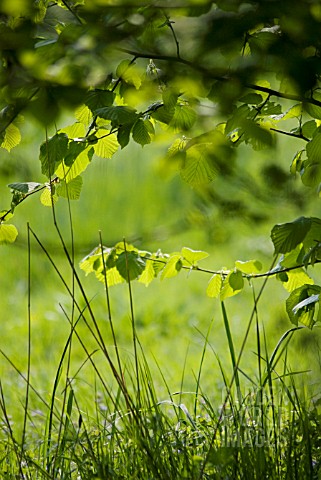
column 198, row 168
column 172, row 267
column 295, row 279
column 227, row 290
column 48, row 196
column 107, row 144
column 130, row 73
column 293, row 112
column 12, row 137
column 79, row 165
column 8, row 234
column 71, row 189
column 183, row 119
column 193, row 256
column 214, row 286
column 249, row 267
column 148, row 274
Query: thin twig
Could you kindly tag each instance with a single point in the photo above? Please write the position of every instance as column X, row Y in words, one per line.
column 295, row 135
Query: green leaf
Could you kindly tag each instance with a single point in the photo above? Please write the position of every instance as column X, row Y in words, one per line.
column 163, row 114
column 71, row 189
column 227, row 289
column 172, row 267
column 214, row 286
column 106, row 145
column 295, row 279
column 123, row 134
column 148, row 274
column 130, row 265
column 25, row 187
column 297, row 162
column 129, row 73
column 301, row 304
column 8, row 234
column 183, row 119
column 52, row 153
column 236, row 280
column 74, row 149
column 255, row 134
column 99, row 99
column 48, row 196
column 118, row 115
column 12, row 137
column 248, row 267
column 295, row 111
column 193, row 256
column 287, row 236
column 308, row 128
column 79, row 165
column 314, row 110
column 143, row 132
column 312, row 166
column 252, row 99
column 313, row 148
column 170, row 98
column 198, row 168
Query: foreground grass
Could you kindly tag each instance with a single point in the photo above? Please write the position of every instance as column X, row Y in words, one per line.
column 84, row 398
column 117, row 426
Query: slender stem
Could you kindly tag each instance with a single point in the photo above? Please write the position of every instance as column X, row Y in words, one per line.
column 29, row 344
column 132, row 316
column 295, row 135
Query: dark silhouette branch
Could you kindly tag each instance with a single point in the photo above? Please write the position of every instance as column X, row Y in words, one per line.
column 223, row 76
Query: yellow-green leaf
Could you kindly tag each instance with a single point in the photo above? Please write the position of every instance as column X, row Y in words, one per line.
column 214, row 286
column 229, row 290
column 297, row 278
column 193, row 256
column 107, row 144
column 78, row 166
column 46, row 198
column 248, row 267
column 8, row 234
column 130, row 73
column 148, row 274
column 172, row 267
column 12, row 137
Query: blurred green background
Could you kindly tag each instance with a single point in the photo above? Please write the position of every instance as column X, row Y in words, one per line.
column 132, row 197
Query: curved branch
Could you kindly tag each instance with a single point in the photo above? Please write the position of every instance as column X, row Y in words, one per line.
column 223, row 76
column 295, row 135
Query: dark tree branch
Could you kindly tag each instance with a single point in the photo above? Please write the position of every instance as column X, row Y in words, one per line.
column 295, row 135
column 222, row 76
